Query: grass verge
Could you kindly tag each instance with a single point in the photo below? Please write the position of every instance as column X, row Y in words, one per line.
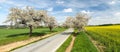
column 83, row 44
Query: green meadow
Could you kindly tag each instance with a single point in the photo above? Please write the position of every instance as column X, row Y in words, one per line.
column 13, row 35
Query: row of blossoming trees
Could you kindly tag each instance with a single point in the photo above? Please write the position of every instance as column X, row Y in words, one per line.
column 30, row 18
column 78, row 22
column 33, row 18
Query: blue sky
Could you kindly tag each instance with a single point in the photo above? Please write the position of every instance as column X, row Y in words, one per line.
column 102, row 11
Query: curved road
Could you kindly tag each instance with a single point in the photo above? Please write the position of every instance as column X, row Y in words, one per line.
column 47, row 45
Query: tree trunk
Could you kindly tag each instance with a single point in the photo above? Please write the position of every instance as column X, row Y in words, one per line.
column 11, row 24
column 16, row 24
column 50, row 29
column 30, row 33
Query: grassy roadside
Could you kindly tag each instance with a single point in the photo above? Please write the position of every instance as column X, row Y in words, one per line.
column 83, row 44
column 63, row 47
column 13, row 35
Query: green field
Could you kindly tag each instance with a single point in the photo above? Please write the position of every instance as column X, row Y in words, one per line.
column 13, row 35
column 108, row 36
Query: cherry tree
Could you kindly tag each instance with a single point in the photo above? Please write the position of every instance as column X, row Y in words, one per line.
column 68, row 22
column 28, row 17
column 80, row 21
column 13, row 17
column 51, row 22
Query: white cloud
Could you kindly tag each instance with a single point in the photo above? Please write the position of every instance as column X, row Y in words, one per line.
column 84, row 11
column 99, row 20
column 112, row 2
column 12, row 3
column 68, row 10
column 82, row 4
column 1, row 1
column 42, row 4
column 50, row 9
column 87, row 12
column 59, row 2
column 6, row 1
column 105, row 18
column 15, row 4
column 117, row 14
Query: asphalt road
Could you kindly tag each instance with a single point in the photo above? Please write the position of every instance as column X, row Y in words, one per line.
column 50, row 44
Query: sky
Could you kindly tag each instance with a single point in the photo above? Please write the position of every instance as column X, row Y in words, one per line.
column 101, row 11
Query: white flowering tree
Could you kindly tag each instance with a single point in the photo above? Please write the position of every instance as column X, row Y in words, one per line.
column 28, row 17
column 51, row 22
column 68, row 22
column 80, row 21
column 13, row 17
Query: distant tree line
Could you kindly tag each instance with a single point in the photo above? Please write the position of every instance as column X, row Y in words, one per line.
column 78, row 22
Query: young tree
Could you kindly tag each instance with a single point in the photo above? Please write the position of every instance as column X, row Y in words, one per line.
column 51, row 22
column 80, row 21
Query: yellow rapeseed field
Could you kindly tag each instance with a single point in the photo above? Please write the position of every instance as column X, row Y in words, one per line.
column 109, row 36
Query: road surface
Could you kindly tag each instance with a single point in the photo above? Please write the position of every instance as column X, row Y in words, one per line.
column 47, row 45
